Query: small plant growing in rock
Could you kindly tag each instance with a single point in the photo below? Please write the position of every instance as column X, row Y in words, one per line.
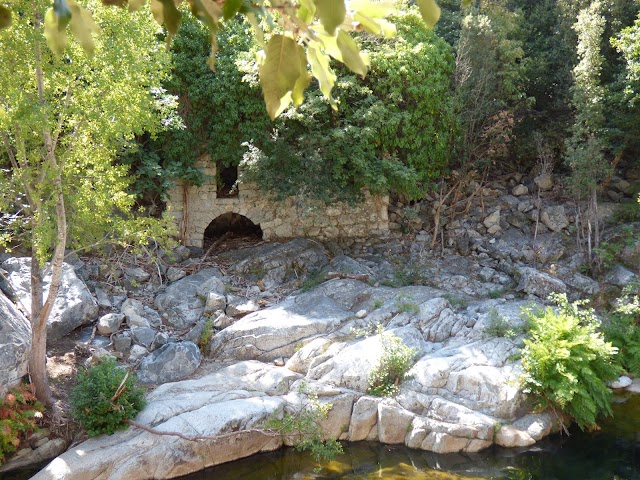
column 19, row 411
column 408, row 307
column 207, row 334
column 313, row 279
column 303, row 425
column 393, row 365
column 498, row 326
column 567, row 362
column 105, row 398
column 456, row 301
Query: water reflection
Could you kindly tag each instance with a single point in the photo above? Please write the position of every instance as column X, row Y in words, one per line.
column 613, row 453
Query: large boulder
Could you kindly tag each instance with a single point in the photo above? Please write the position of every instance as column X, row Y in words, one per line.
column 170, row 362
column 180, row 303
column 15, row 344
column 279, row 263
column 538, row 283
column 73, row 307
column 276, row 331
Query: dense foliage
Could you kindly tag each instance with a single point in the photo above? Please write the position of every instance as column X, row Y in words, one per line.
column 19, row 411
column 81, row 100
column 393, row 130
column 623, row 331
column 105, row 396
column 567, row 362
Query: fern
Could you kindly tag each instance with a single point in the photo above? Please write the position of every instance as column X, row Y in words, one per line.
column 567, row 362
column 19, row 411
column 623, row 331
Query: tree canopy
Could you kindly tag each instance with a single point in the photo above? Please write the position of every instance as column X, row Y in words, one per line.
column 291, row 34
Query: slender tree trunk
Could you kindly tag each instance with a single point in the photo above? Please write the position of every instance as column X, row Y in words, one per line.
column 40, row 311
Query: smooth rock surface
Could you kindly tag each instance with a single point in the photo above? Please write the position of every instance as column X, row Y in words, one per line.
column 170, row 362
column 15, row 344
column 74, row 306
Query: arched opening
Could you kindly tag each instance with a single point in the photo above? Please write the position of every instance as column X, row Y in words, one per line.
column 231, row 226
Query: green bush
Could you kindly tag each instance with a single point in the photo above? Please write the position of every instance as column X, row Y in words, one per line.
column 18, row 413
column 304, row 427
column 623, row 331
column 103, row 399
column 567, row 362
column 393, row 365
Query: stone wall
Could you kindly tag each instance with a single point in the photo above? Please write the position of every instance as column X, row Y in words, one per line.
column 277, row 219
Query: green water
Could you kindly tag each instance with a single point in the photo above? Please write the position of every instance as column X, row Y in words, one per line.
column 612, row 453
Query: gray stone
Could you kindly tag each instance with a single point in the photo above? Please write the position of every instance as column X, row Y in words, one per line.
column 122, row 343
column 102, row 298
column 622, row 382
column 174, row 274
column 109, row 323
column 509, row 436
column 393, row 422
column 539, row 283
column 15, row 344
column 180, row 303
column 143, row 336
column 46, row 450
column 212, row 285
column 74, row 306
column 620, row 276
column 544, row 181
column 214, row 302
column 240, row 306
column 519, row 190
column 364, row 418
column 171, row 362
column 133, row 310
column 136, row 353
column 137, row 274
column 554, row 218
column 160, row 339
column 492, row 219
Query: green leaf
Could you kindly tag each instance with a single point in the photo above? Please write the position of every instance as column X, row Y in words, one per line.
column 344, row 49
column 135, row 5
column 283, row 74
column 5, row 17
column 62, row 12
column 322, row 71
column 331, row 13
column 230, row 8
column 306, row 11
column 259, row 34
column 83, row 27
column 372, row 9
column 351, row 55
column 56, row 38
column 165, row 12
column 430, row 11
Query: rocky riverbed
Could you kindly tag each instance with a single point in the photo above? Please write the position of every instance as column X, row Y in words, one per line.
column 300, row 318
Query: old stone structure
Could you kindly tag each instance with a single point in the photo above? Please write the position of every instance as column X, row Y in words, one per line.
column 195, row 208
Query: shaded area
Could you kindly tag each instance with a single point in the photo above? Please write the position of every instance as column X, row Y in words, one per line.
column 231, row 230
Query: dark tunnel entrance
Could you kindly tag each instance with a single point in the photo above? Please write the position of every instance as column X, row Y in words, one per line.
column 230, row 226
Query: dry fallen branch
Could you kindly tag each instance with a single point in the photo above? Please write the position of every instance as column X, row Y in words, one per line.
column 267, row 433
column 363, row 277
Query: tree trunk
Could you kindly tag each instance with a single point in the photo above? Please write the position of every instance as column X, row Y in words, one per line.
column 40, row 311
column 38, row 355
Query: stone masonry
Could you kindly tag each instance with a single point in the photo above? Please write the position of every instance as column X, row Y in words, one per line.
column 194, row 208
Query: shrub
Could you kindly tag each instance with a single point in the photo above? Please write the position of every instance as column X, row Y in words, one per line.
column 623, row 332
column 19, row 411
column 567, row 362
column 105, row 397
column 304, row 426
column 392, row 366
column 498, row 326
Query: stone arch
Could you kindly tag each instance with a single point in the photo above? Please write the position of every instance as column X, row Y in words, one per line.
column 233, row 222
